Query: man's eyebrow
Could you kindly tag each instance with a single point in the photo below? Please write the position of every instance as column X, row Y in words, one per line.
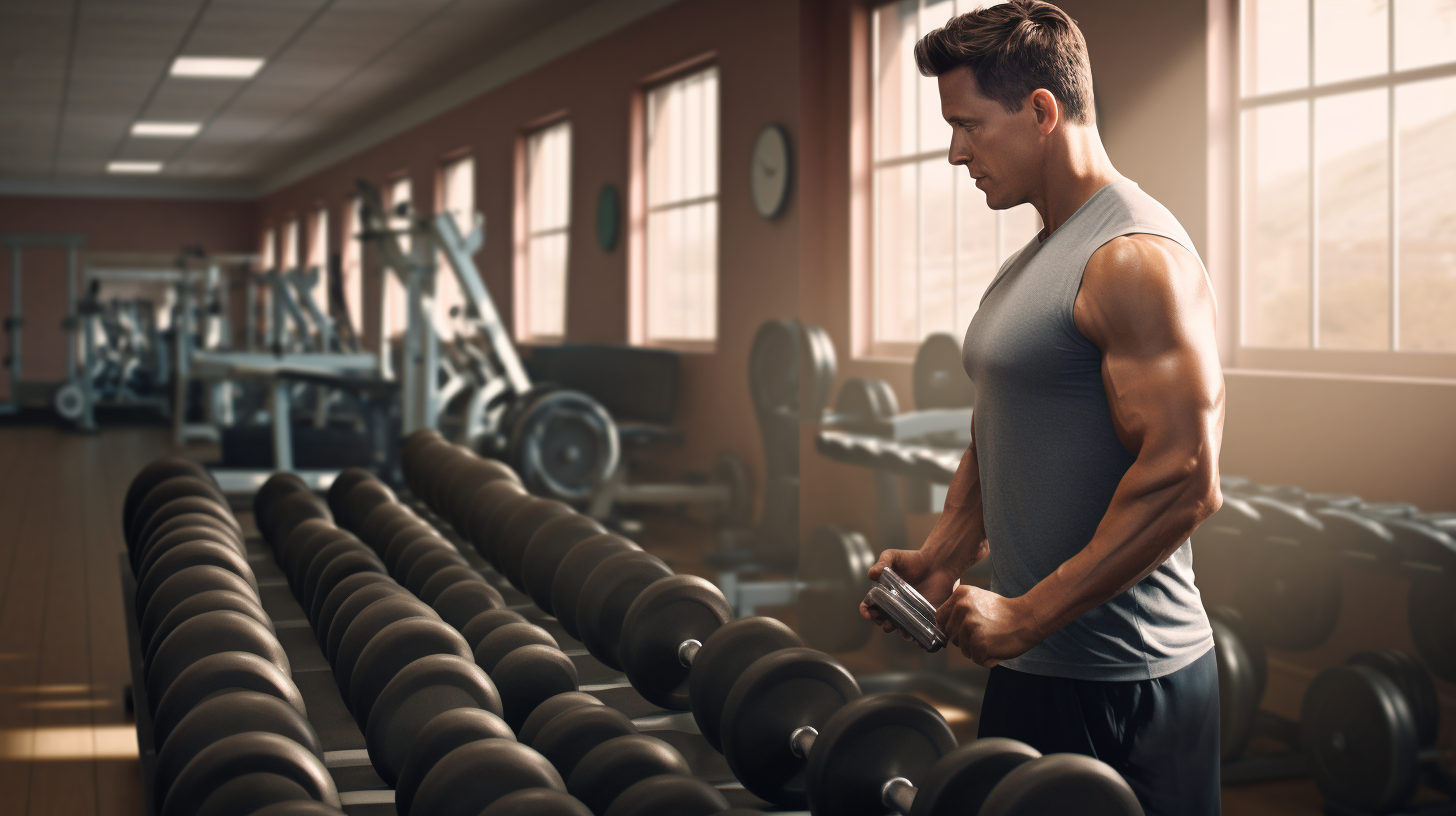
column 959, row 120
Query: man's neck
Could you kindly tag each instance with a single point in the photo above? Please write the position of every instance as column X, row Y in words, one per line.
column 1077, row 167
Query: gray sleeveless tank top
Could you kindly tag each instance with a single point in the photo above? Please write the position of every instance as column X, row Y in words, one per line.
column 1050, row 459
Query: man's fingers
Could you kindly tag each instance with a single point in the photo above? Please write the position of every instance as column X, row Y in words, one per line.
column 886, row 559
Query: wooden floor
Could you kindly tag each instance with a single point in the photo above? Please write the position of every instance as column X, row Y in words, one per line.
column 67, row 746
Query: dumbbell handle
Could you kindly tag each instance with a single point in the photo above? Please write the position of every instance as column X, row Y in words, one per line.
column 897, row 793
column 687, row 650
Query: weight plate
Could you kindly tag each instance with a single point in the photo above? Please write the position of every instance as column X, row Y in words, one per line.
column 478, row 628
column 564, row 445
column 338, row 492
column 1419, row 541
column 818, row 361
column 177, row 487
column 1291, row 596
column 1413, row 682
column 506, row 639
column 834, row 566
column 939, row 377
column 1063, row 783
column 230, row 713
column 868, row 742
column 606, row 596
column 156, row 472
column 773, row 367
column 1347, row 530
column 530, row 675
column 208, row 601
column 221, row 630
column 361, row 599
column 221, row 672
column 666, row 614
column 1360, row 739
column 1432, row 615
column 396, row 646
column 416, row 695
column 574, row 570
column 446, row 578
column 249, row 753
column 548, row 545
column 456, row 785
column 962, row 779
column 440, row 735
column 669, row 793
column 365, row 626
column 184, row 585
column 69, row 401
column 571, row 734
column 460, row 603
column 541, row 801
column 361, row 501
column 725, row 655
column 1248, row 637
column 863, row 399
column 1286, row 520
column 1238, row 688
column 610, row 768
column 781, row 692
column 510, row 550
column 336, row 598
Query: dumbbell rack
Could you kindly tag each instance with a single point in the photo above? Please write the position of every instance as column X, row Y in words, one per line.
column 361, row 791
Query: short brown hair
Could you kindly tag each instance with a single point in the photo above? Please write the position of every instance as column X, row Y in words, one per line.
column 1013, row 49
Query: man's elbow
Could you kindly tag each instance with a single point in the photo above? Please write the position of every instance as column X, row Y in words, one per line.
column 1203, row 495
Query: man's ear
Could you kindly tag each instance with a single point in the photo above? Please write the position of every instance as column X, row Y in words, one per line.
column 1044, row 106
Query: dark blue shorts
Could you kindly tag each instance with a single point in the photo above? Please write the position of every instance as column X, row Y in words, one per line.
column 1161, row 735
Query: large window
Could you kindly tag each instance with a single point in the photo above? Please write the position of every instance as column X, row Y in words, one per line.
column 681, row 280
column 351, row 265
column 318, row 255
column 936, row 245
column 1348, row 219
column 396, row 306
column 457, row 197
column 541, row 278
column 288, row 259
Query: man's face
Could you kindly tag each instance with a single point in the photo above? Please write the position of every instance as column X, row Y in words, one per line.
column 1001, row 150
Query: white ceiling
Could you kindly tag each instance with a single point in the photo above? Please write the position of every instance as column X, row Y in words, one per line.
column 75, row 74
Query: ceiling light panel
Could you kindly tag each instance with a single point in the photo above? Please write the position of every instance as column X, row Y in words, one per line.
column 166, row 130
column 134, row 167
column 216, row 67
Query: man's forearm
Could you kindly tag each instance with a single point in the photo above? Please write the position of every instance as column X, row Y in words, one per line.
column 958, row 539
column 1150, row 516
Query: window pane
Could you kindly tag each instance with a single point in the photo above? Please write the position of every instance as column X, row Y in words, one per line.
column 1276, row 45
column 1350, row 39
column 1425, row 33
column 1276, row 226
column 682, row 225
column 267, row 250
column 896, row 253
column 934, row 132
column 1426, row 116
column 289, row 258
column 977, row 258
column 351, row 267
column 896, row 81
column 457, row 198
column 1354, row 214
column 547, row 285
column 937, row 247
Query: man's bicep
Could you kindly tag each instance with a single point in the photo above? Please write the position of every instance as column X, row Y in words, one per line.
column 1147, row 304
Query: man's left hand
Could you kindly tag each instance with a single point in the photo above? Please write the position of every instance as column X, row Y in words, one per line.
column 987, row 627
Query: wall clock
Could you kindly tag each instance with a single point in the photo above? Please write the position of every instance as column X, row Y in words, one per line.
column 773, row 165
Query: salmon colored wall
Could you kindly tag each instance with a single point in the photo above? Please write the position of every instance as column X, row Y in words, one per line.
column 110, row 224
column 755, row 42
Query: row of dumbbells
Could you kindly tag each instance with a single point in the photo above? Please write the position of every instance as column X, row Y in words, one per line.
column 1368, row 728
column 1387, row 531
column 792, row 722
column 228, row 724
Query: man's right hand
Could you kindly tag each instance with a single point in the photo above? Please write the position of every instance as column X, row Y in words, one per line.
column 932, row 580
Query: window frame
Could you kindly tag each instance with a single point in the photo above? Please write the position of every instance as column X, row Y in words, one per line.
column 1230, row 103
column 443, row 272
column 638, row 209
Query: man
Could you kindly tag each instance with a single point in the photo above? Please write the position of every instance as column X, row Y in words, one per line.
column 1095, row 439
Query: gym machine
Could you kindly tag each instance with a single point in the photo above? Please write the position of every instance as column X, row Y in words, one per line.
column 474, row 386
column 24, row 392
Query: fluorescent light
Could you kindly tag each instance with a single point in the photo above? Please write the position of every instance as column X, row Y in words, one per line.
column 166, row 129
column 217, row 67
column 134, row 167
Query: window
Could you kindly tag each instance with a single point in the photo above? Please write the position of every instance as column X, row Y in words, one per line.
column 541, row 278
column 288, row 258
column 351, row 266
column 457, row 197
column 681, row 176
column 267, row 250
column 318, row 255
column 1347, row 223
column 396, row 306
column 936, row 245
